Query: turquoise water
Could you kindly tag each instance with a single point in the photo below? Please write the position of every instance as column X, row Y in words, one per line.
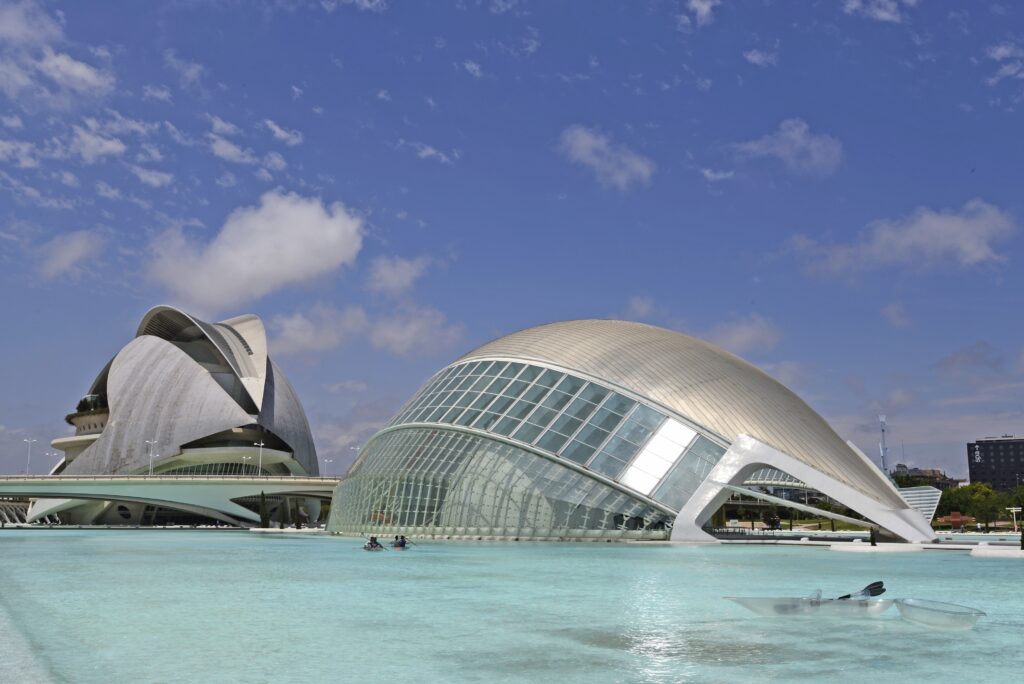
column 169, row 606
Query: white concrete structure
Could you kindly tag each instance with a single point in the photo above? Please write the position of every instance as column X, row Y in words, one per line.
column 212, row 497
column 184, row 397
column 599, row 429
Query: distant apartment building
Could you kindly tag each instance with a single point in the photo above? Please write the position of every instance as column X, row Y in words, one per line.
column 999, row 461
column 935, row 477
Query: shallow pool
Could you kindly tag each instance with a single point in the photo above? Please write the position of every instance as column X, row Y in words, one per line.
column 162, row 605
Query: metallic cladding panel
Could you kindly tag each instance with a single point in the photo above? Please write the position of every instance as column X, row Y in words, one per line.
column 156, row 392
column 282, row 414
column 698, row 381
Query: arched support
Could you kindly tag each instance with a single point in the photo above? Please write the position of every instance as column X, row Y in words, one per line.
column 747, row 455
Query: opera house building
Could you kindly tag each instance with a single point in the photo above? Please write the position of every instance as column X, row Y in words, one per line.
column 599, row 429
column 184, row 398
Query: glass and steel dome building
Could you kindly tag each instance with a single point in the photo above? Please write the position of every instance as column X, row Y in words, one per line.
column 598, row 429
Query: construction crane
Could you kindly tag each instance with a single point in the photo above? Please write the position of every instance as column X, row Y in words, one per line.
column 882, row 449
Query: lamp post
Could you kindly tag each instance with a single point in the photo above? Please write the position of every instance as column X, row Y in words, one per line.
column 1014, row 510
column 244, row 459
column 260, row 445
column 28, row 457
column 326, row 461
column 149, row 448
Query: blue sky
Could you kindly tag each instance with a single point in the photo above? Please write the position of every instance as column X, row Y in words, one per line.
column 830, row 189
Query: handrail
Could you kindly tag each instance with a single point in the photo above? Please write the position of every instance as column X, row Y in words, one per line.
column 262, row 478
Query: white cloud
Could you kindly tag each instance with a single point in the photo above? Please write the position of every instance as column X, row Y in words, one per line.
column 713, row 176
column 227, row 180
column 159, row 93
column 274, row 162
column 414, row 330
column 152, row 178
column 789, row 373
column 749, row 334
column 78, row 77
column 229, row 151
column 321, row 329
column 286, row 240
column 926, row 238
column 424, row 151
column 364, row 5
column 92, row 146
column 384, row 95
column 703, row 10
column 13, row 122
column 25, row 24
column 148, row 152
column 66, row 253
column 614, row 165
column 69, row 179
column 761, row 58
column 638, row 308
column 896, row 315
column 473, row 69
column 394, row 275
column 798, row 148
column 879, row 10
column 22, row 153
column 287, row 136
column 33, row 72
column 190, row 74
column 1010, row 56
column 502, row 6
column 107, row 191
column 347, row 386
column 263, row 175
column 222, row 127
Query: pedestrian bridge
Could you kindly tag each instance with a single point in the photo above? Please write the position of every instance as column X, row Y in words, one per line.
column 209, row 495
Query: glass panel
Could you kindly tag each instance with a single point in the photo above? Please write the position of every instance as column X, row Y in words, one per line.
column 511, row 370
column 592, row 435
column 579, row 409
column 567, row 425
column 647, row 417
column 606, row 419
column 515, row 389
column 542, row 416
column 498, row 385
column 677, row 432
column 707, row 450
column 505, row 426
column 621, row 449
column 556, row 400
column 452, row 412
column 578, row 452
column 552, row 441
column 495, row 368
column 482, row 381
column 486, row 420
column 529, row 373
column 501, row 403
column 606, row 465
column 594, row 393
column 436, row 414
column 652, row 464
column 468, row 417
column 535, row 393
column 527, row 433
column 521, row 408
column 549, row 378
column 570, row 384
column 639, row 480
column 483, row 400
column 619, row 404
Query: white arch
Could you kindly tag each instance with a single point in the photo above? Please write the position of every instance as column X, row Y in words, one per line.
column 747, row 455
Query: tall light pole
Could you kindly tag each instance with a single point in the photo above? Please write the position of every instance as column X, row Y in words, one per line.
column 244, row 459
column 260, row 445
column 1014, row 511
column 28, row 458
column 149, row 447
column 326, row 461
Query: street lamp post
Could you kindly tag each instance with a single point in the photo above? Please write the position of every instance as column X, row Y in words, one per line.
column 28, row 457
column 326, row 461
column 1014, row 510
column 244, row 459
column 260, row 445
column 149, row 448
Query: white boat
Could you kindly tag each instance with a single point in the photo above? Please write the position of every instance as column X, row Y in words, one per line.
column 938, row 614
column 813, row 606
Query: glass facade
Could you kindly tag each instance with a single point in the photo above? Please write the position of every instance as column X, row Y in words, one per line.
column 433, row 470
column 437, row 481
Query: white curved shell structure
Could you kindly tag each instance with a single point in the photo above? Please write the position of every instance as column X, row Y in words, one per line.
column 612, row 428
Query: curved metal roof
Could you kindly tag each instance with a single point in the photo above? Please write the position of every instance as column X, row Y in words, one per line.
column 699, row 382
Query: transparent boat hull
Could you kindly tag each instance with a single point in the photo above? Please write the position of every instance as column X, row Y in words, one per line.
column 795, row 607
column 937, row 614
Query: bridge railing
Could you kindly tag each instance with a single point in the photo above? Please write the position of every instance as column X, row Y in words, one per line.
column 72, row 478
